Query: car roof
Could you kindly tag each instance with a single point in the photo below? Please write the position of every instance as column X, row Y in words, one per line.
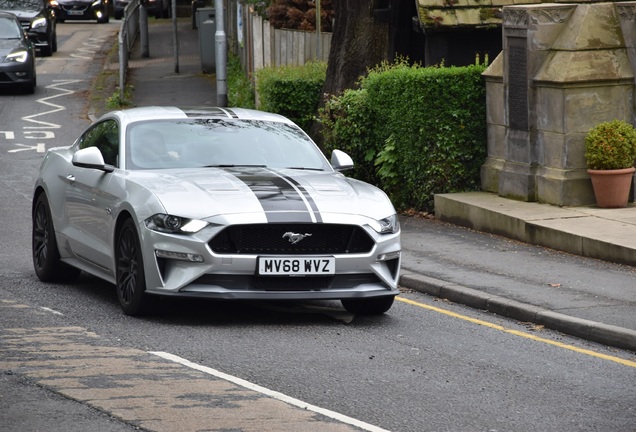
column 170, row 112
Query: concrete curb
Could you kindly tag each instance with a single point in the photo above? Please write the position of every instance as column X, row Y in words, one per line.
column 590, row 330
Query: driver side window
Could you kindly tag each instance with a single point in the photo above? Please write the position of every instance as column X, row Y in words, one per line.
column 104, row 136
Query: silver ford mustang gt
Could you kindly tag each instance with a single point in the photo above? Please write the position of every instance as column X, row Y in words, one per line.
column 215, row 203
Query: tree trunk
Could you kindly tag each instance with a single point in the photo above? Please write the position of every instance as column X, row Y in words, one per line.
column 358, row 42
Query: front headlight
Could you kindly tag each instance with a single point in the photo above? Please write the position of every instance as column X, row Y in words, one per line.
column 40, row 22
column 18, row 57
column 174, row 224
column 388, row 225
column 97, row 3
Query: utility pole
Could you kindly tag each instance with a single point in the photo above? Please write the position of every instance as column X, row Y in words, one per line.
column 221, row 55
column 318, row 32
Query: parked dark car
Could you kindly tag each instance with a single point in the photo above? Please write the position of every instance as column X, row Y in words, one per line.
column 37, row 18
column 118, row 8
column 159, row 8
column 156, row 8
column 17, row 54
column 83, row 10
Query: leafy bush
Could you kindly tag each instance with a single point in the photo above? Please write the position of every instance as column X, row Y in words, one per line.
column 416, row 131
column 240, row 91
column 349, row 126
column 611, row 145
column 292, row 91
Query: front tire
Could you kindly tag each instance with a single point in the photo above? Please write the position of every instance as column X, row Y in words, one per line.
column 129, row 271
column 368, row 306
column 46, row 256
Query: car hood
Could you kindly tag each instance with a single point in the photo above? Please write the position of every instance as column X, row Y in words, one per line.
column 23, row 14
column 9, row 45
column 276, row 194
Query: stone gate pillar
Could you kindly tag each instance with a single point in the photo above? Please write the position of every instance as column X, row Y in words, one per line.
column 563, row 69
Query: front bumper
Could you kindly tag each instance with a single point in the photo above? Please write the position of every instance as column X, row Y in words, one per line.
column 81, row 12
column 39, row 37
column 227, row 276
column 16, row 73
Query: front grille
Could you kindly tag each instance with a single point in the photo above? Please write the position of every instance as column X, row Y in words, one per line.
column 269, row 239
column 71, row 9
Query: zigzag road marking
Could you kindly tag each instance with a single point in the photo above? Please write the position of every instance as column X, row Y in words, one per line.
column 64, row 92
column 91, row 47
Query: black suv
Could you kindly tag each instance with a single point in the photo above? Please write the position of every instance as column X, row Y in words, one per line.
column 37, row 18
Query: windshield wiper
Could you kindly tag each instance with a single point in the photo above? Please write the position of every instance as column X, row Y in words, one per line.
column 235, row 166
column 305, row 168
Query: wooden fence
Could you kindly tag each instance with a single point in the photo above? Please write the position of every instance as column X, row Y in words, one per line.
column 260, row 45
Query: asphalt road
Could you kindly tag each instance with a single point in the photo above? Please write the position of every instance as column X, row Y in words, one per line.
column 71, row 361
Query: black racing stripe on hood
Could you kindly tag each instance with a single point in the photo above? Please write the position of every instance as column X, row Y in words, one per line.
column 231, row 113
column 281, row 202
column 306, row 194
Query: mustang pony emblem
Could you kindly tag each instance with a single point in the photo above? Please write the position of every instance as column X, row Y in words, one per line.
column 295, row 237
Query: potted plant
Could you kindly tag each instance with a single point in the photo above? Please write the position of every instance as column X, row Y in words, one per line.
column 610, row 151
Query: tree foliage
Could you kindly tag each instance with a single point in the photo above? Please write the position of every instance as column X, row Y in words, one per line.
column 300, row 14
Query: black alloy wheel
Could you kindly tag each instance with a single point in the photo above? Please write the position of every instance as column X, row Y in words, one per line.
column 46, row 257
column 129, row 270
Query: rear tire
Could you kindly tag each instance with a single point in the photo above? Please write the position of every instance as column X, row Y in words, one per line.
column 368, row 306
column 46, row 256
column 129, row 271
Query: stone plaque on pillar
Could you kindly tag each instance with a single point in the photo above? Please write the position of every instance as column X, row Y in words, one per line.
column 517, row 83
column 517, row 178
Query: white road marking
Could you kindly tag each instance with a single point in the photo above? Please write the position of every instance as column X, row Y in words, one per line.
column 92, row 46
column 51, row 310
column 271, row 393
column 39, row 147
column 46, row 125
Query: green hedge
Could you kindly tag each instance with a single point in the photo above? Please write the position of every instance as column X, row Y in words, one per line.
column 292, row 91
column 413, row 131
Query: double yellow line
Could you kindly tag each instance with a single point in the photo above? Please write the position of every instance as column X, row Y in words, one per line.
column 518, row 333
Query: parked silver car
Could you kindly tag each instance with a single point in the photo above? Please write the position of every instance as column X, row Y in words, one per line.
column 215, row 203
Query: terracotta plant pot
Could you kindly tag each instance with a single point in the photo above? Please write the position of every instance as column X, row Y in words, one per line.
column 611, row 187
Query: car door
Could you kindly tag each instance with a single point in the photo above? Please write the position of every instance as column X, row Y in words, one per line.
column 91, row 195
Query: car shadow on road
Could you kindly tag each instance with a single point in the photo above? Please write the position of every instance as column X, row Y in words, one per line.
column 202, row 312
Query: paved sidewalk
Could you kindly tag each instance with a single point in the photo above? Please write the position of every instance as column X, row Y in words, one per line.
column 155, row 78
column 605, row 234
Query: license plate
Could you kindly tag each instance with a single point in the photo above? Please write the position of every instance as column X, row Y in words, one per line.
column 75, row 12
column 292, row 266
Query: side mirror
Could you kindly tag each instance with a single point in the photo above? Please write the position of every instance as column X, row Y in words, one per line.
column 340, row 161
column 91, row 157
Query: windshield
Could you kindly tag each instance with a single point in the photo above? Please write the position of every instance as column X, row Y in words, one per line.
column 21, row 5
column 9, row 28
column 220, row 143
